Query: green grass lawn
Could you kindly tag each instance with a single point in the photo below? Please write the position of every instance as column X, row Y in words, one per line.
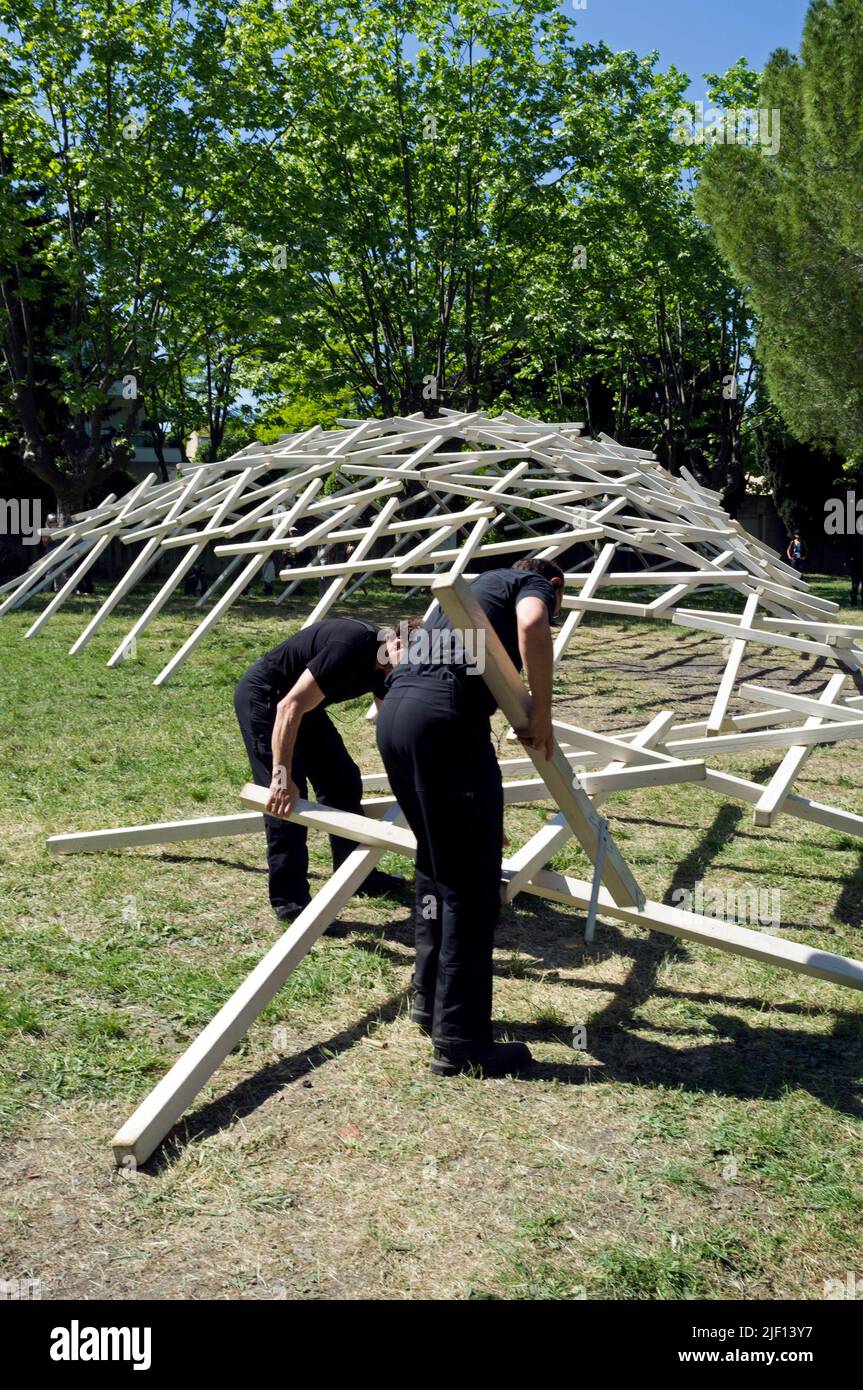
column 706, row 1144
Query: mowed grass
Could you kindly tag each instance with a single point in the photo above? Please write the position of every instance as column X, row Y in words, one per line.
column 704, row 1143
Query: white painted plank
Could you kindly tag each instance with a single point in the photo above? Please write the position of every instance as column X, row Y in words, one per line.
column 159, row 1112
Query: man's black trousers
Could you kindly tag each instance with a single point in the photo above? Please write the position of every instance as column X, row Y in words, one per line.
column 319, row 756
column 443, row 771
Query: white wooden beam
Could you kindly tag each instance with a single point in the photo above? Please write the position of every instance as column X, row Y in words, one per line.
column 159, row 1112
column 716, row 718
column 521, row 865
column 157, row 833
column 764, row 738
column 138, row 568
column 777, row 790
column 176, row 576
column 240, row 583
column 575, row 616
column 706, row 931
column 740, row 789
column 823, row 708
column 333, row 590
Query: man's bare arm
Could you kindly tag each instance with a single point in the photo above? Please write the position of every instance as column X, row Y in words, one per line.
column 537, row 655
column 304, row 695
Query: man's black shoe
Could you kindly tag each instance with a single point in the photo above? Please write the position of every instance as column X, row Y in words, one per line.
column 498, row 1059
column 381, row 885
column 286, row 912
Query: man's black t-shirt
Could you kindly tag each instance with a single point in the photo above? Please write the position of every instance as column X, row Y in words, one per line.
column 339, row 652
column 498, row 592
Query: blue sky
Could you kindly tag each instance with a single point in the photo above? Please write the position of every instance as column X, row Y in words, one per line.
column 697, row 36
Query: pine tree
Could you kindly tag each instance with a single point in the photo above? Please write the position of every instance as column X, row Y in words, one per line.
column 789, row 224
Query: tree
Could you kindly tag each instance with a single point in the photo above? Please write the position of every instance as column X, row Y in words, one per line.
column 496, row 214
column 132, row 137
column 799, row 476
column 421, row 190
column 378, row 206
column 647, row 325
column 789, row 225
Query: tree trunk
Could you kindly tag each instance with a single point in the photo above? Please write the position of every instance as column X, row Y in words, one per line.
column 68, row 500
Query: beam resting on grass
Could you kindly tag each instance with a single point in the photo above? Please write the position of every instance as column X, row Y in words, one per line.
column 163, row 1107
column 707, row 931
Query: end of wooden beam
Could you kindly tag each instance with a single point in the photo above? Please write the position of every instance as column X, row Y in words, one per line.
column 124, row 1153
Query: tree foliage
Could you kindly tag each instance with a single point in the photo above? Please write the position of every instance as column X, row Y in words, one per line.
column 373, row 206
column 131, row 133
column 790, row 226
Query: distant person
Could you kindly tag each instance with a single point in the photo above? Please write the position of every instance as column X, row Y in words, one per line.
column 85, row 583
column 268, row 578
column 797, row 552
column 855, row 567
column 195, row 583
column 51, row 524
column 291, row 558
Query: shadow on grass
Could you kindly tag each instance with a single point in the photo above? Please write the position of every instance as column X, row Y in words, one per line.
column 736, row 1060
column 249, row 1094
column 187, row 859
column 849, row 905
column 726, row 1056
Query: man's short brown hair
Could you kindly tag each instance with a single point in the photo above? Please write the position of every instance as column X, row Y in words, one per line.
column 547, row 568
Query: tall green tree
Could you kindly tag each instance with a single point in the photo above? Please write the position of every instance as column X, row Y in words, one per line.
column 483, row 210
column 132, row 137
column 648, row 327
column 425, row 166
column 790, row 226
column 373, row 206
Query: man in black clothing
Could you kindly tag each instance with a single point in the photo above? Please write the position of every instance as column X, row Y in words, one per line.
column 281, row 708
column 855, row 566
column 434, row 736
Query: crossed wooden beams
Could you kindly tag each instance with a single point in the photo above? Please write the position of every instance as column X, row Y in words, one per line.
column 416, row 499
column 649, row 757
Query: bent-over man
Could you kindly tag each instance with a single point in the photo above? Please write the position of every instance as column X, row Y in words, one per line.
column 434, row 734
column 281, row 705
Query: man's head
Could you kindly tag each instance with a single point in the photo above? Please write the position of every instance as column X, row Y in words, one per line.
column 550, row 571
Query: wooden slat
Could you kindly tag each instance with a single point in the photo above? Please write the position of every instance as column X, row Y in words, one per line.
column 159, row 1112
